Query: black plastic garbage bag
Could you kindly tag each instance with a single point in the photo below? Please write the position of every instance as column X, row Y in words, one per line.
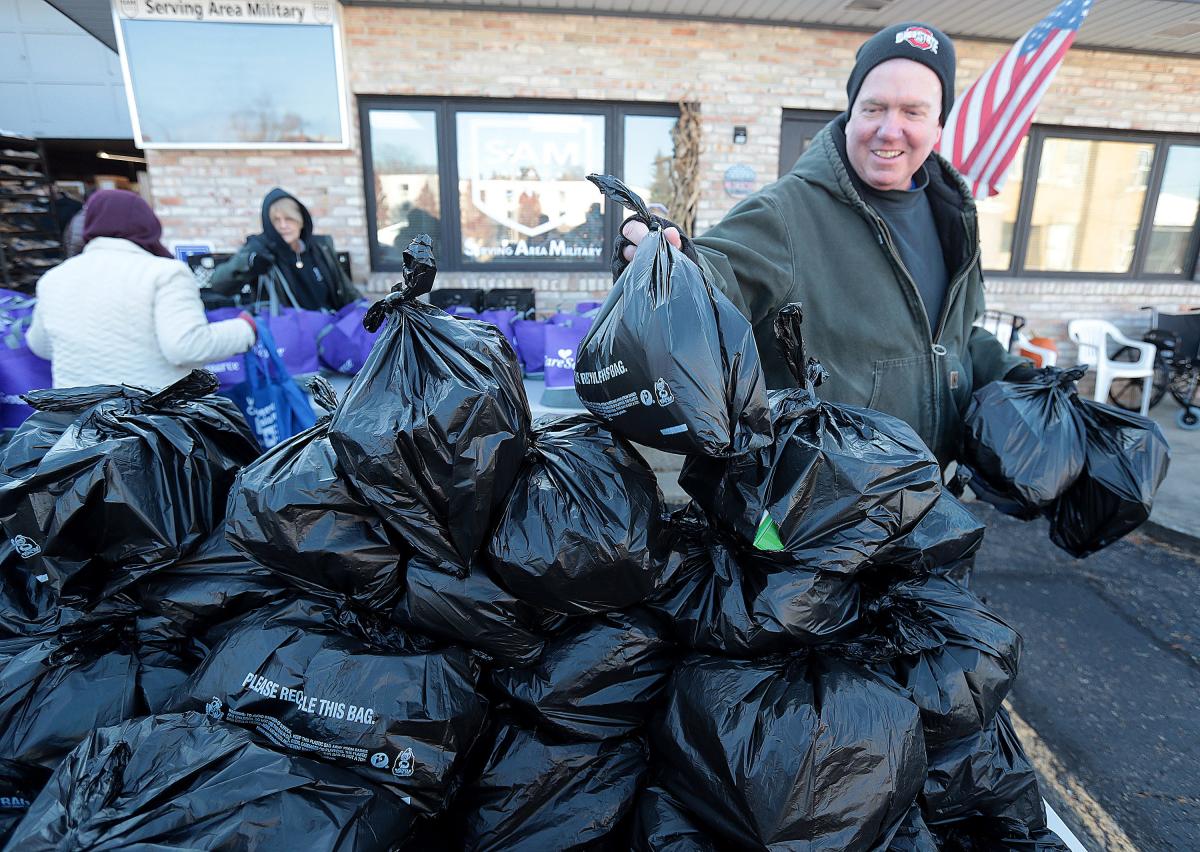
column 20, row 784
column 599, row 680
column 208, row 590
column 837, row 484
column 28, row 606
column 536, row 795
column 105, row 667
column 945, row 537
column 670, row 362
column 1025, row 439
column 813, row 752
column 983, row 834
column 165, row 660
column 334, row 687
column 134, row 483
column 914, row 835
column 744, row 604
column 1127, row 459
column 295, row 512
column 984, row 775
column 960, row 685
column 662, row 824
column 473, row 611
column 434, row 429
column 183, row 782
column 957, row 658
column 704, row 600
column 576, row 534
column 54, row 411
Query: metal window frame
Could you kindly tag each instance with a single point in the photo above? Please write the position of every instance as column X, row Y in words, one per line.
column 445, row 110
column 1161, row 141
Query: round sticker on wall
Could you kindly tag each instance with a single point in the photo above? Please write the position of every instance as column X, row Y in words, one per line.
column 739, row 181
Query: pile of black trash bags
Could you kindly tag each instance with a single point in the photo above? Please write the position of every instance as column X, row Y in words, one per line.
column 430, row 623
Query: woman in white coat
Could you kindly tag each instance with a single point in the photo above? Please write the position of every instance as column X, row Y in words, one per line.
column 124, row 312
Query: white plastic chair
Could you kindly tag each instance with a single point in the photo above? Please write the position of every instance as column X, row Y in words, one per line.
column 1091, row 336
column 1024, row 344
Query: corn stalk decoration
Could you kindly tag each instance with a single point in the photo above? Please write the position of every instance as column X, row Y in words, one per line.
column 684, row 178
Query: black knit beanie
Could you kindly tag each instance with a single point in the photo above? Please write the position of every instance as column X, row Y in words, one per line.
column 918, row 42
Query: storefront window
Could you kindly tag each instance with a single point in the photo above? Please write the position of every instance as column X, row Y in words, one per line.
column 404, row 161
column 1088, row 205
column 998, row 216
column 503, row 184
column 523, row 189
column 648, row 152
column 1175, row 212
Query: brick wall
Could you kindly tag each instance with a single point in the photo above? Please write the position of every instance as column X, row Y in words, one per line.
column 1048, row 305
column 740, row 74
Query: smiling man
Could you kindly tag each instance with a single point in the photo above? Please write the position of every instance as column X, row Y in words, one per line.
column 877, row 237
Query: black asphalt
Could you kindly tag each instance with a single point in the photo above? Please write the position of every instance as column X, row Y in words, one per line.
column 1110, row 677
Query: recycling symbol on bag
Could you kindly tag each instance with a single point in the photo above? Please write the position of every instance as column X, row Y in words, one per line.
column 663, row 391
column 26, row 547
column 404, row 764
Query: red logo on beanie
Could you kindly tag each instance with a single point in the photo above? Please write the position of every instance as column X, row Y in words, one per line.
column 918, row 37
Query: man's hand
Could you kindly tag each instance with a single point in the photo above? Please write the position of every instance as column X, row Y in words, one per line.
column 633, row 231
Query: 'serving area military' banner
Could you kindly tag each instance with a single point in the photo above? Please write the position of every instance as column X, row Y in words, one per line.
column 230, row 11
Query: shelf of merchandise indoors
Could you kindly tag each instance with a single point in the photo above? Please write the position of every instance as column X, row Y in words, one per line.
column 30, row 242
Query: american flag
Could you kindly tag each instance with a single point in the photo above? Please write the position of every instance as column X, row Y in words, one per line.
column 988, row 122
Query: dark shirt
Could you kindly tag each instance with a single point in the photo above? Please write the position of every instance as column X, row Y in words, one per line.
column 909, row 220
column 308, row 282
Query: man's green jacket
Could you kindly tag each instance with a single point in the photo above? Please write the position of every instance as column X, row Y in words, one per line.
column 810, row 238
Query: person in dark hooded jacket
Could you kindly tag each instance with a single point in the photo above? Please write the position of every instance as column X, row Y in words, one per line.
column 877, row 236
column 302, row 265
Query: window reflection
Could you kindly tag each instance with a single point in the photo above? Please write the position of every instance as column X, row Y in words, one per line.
column 405, row 161
column 1087, row 206
column 241, row 97
column 998, row 215
column 1175, row 212
column 647, row 157
column 523, row 193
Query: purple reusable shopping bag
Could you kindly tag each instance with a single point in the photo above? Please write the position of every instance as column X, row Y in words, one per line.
column 562, row 344
column 503, row 319
column 531, row 344
column 20, row 370
column 343, row 346
column 295, row 332
column 232, row 370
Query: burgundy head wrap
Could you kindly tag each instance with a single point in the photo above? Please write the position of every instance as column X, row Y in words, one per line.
column 124, row 214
